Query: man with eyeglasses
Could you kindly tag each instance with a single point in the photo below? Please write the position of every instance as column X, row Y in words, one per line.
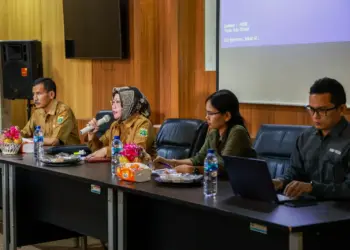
column 56, row 119
column 320, row 163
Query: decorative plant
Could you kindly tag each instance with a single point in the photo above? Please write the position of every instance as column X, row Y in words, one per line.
column 11, row 135
column 132, row 153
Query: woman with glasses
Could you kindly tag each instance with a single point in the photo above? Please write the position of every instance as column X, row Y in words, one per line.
column 131, row 111
column 228, row 135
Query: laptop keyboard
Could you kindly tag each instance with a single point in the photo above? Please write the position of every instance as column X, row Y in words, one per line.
column 282, row 198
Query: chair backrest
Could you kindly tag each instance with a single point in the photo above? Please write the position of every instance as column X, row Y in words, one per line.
column 181, row 138
column 104, row 127
column 275, row 144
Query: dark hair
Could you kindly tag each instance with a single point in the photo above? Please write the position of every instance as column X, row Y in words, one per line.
column 49, row 84
column 331, row 86
column 225, row 101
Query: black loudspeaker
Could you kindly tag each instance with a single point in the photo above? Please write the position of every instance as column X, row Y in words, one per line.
column 21, row 64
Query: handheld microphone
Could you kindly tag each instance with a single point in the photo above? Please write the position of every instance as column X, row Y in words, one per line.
column 88, row 128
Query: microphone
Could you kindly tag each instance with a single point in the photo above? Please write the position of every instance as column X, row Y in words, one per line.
column 88, row 128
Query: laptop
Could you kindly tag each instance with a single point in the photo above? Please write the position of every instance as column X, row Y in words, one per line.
column 251, row 179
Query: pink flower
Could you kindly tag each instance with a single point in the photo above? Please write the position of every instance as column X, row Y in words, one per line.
column 12, row 133
column 131, row 151
column 8, row 134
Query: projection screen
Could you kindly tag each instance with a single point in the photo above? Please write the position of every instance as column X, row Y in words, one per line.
column 271, row 51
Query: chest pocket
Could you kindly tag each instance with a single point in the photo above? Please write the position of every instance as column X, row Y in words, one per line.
column 311, row 165
column 333, row 169
column 49, row 123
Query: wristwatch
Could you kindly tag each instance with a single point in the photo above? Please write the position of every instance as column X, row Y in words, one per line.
column 312, row 185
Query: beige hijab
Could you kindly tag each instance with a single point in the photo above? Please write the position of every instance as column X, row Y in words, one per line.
column 132, row 101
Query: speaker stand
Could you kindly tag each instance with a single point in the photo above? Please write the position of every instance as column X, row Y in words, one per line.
column 29, row 109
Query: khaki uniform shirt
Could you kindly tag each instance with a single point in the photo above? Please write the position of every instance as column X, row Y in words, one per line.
column 136, row 129
column 59, row 122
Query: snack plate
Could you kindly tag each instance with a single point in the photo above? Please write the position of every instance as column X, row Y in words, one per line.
column 62, row 164
column 179, row 179
column 61, row 160
column 163, row 171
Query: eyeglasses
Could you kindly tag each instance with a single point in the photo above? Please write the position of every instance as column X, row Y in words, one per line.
column 39, row 93
column 209, row 113
column 113, row 102
column 319, row 111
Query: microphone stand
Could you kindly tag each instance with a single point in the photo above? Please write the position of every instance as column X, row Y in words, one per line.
column 29, row 109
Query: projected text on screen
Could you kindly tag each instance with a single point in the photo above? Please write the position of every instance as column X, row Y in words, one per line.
column 274, row 22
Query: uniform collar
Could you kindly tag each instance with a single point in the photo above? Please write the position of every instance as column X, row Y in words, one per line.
column 53, row 107
column 130, row 121
column 52, row 110
column 337, row 129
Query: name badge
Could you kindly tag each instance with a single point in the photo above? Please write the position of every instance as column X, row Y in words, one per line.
column 335, row 151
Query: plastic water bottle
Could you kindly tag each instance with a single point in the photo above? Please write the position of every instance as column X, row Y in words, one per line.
column 210, row 183
column 117, row 147
column 38, row 143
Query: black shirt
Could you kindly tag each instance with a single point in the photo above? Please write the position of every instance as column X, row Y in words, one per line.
column 324, row 161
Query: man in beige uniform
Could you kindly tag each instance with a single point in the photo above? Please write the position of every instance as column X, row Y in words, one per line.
column 56, row 119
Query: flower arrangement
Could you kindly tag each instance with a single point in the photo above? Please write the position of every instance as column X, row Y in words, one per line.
column 134, row 161
column 11, row 135
column 10, row 140
column 132, row 153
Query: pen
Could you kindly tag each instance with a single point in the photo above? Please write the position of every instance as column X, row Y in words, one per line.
column 166, row 164
column 80, row 152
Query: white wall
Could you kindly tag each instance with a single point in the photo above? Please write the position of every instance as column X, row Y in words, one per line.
column 210, row 35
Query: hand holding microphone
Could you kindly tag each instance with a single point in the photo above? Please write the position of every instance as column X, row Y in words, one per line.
column 93, row 125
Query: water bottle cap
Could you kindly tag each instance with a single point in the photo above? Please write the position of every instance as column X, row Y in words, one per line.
column 37, row 127
column 116, row 137
column 211, row 151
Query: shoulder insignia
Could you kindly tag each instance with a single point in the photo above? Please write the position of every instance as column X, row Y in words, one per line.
column 143, row 132
column 59, row 119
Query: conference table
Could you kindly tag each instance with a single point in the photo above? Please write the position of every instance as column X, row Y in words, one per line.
column 87, row 200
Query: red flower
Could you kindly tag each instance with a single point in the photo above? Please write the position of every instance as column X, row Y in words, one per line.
column 12, row 133
column 131, row 151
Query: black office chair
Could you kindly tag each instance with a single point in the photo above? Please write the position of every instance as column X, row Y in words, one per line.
column 275, row 144
column 181, row 138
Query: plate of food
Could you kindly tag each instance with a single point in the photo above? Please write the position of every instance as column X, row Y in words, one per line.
column 163, row 171
column 179, row 179
column 61, row 159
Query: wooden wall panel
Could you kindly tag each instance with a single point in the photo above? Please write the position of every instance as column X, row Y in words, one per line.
column 5, row 105
column 205, row 81
column 23, row 20
column 255, row 115
column 72, row 76
column 43, row 20
column 166, row 62
column 82, row 124
column 141, row 70
column 168, row 38
column 145, row 51
column 3, row 20
column 107, row 74
column 187, row 36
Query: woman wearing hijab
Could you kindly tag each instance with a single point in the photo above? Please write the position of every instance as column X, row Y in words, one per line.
column 131, row 111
